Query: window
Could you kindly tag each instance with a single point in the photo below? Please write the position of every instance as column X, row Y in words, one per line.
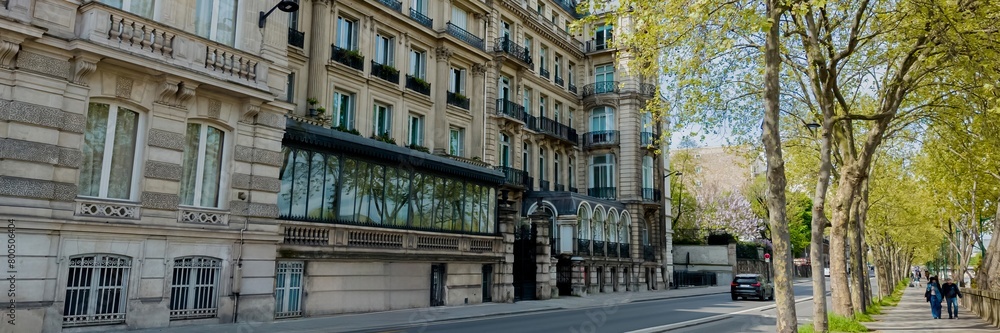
column 216, row 20
column 647, row 122
column 343, row 110
column 347, row 33
column 505, row 30
column 418, row 64
column 525, row 155
column 459, row 17
column 697, row 169
column 456, row 141
column 569, row 74
column 555, row 112
column 288, row 289
column 569, row 117
column 416, row 130
column 602, row 171
column 382, row 120
column 384, row 50
column 602, row 118
column 557, row 66
column 457, row 80
column 555, row 168
column 541, row 7
column 527, row 44
column 603, row 37
column 290, row 88
column 194, row 288
column 504, row 150
column 527, row 99
column 202, row 174
column 96, row 290
column 541, row 106
column 647, row 172
column 604, row 73
column 293, row 20
column 109, row 143
column 420, row 6
column 541, row 57
column 572, row 173
column 541, row 164
column 142, row 8
column 555, row 17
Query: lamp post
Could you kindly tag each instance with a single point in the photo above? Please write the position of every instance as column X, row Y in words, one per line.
column 287, row 6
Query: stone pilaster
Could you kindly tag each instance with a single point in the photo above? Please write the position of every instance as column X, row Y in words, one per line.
column 554, row 276
column 477, row 105
column 319, row 49
column 579, row 282
column 439, row 117
column 503, row 289
column 543, row 257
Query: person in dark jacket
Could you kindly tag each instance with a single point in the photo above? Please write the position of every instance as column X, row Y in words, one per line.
column 934, row 296
column 951, row 294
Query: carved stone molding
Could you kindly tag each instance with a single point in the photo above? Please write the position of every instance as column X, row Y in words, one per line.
column 166, row 91
column 185, row 91
column 442, row 53
column 214, row 108
column 174, row 92
column 43, row 64
column 123, row 87
column 478, row 69
column 250, row 111
column 8, row 50
column 82, row 67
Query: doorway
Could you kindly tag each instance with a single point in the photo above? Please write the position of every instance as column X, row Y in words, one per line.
column 437, row 284
column 487, row 283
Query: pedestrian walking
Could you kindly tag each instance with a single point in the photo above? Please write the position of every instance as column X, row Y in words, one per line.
column 934, row 296
column 951, row 294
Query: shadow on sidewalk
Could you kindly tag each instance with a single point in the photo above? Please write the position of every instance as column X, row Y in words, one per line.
column 913, row 314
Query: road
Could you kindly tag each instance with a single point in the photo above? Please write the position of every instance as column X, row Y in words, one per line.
column 636, row 316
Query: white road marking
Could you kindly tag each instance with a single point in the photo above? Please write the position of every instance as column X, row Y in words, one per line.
column 700, row 321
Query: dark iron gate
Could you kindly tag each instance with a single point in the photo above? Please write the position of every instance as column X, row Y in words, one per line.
column 437, row 284
column 487, row 283
column 524, row 262
column 564, row 276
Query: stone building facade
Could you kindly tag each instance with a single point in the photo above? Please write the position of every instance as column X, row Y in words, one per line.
column 173, row 163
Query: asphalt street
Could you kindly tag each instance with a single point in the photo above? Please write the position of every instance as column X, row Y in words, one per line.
column 636, row 316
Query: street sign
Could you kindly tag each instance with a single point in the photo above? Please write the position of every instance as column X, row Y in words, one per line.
column 767, row 259
column 767, row 256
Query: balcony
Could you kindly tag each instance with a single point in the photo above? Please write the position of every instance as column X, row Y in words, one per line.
column 543, row 72
column 559, row 81
column 554, row 129
column 350, row 58
column 385, row 72
column 599, row 248
column 583, row 247
column 651, row 195
column 604, row 87
column 607, row 193
column 570, row 7
column 572, row 88
column 393, row 4
column 513, row 50
column 647, row 139
column 458, row 100
column 597, row 46
column 515, row 177
column 649, row 253
column 510, row 109
column 416, row 15
column 296, row 38
column 600, row 138
column 544, row 185
column 613, row 249
column 624, row 251
column 560, row 187
column 365, row 238
column 138, row 37
column 417, row 84
column 465, row 36
column 647, row 89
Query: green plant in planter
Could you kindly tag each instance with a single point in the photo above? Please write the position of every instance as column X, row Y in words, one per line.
column 419, row 148
column 355, row 54
column 461, row 97
column 321, row 110
column 312, row 101
column 420, row 82
column 391, row 70
column 344, row 129
column 384, row 137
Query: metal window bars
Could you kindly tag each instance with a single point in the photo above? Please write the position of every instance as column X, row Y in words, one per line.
column 96, row 289
column 194, row 288
column 288, row 290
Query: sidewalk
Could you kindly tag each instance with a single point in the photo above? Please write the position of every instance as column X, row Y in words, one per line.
column 913, row 314
column 410, row 317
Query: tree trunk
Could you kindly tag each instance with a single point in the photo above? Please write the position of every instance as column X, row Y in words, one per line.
column 841, row 293
column 783, row 292
column 866, row 282
column 857, row 261
column 987, row 277
column 819, row 222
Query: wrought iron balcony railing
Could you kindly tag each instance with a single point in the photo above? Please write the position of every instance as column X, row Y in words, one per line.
column 385, row 72
column 416, row 15
column 296, row 38
column 651, row 194
column 351, row 58
column 465, row 36
column 543, row 185
column 544, row 72
column 560, row 187
column 603, row 87
column 600, row 138
column 647, row 139
column 516, row 51
column 583, row 247
column 649, row 253
column 458, row 100
column 511, row 110
column 595, row 46
column 572, row 88
column 612, row 249
column 607, row 193
column 647, row 89
column 559, row 81
column 553, row 128
column 417, row 84
column 624, row 251
column 393, row 4
column 514, row 177
column 599, row 248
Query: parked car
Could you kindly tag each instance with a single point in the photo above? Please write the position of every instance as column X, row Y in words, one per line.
column 752, row 285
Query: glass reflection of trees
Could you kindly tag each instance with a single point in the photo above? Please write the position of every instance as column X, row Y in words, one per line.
column 320, row 187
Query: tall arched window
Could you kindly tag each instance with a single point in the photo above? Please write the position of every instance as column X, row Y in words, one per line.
column 602, row 176
column 625, row 228
column 555, row 170
column 504, row 150
column 644, row 232
column 602, row 118
column 201, row 179
column 611, row 226
column 583, row 222
column 598, row 224
column 110, row 144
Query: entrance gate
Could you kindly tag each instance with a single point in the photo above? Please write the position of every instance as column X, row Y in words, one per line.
column 524, row 262
column 564, row 276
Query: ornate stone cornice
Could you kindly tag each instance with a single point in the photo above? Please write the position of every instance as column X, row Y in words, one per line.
column 531, row 19
column 442, row 53
column 82, row 67
column 479, row 69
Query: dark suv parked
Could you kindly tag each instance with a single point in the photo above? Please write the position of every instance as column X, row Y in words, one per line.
column 752, row 285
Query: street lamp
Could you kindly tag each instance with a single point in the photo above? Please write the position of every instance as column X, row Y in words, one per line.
column 811, row 127
column 287, row 6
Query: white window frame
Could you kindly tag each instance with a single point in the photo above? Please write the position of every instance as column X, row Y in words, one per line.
column 572, row 175
column 542, row 101
column 604, row 73
column 290, row 88
column 456, row 134
column 459, row 17
column 457, row 80
column 202, row 297
column 526, row 156
column 541, row 164
column 607, row 167
column 214, row 23
column 647, row 172
column 556, row 106
column 288, row 298
column 385, row 128
column 293, row 20
column 350, row 38
column 504, row 150
column 527, row 98
column 109, row 141
column 127, row 6
column 416, row 136
column 351, row 109
column 418, row 63
column 603, row 120
column 607, row 34
column 569, row 74
column 200, row 172
column 385, row 49
column 97, row 296
column 555, row 169
column 541, row 57
column 557, row 66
